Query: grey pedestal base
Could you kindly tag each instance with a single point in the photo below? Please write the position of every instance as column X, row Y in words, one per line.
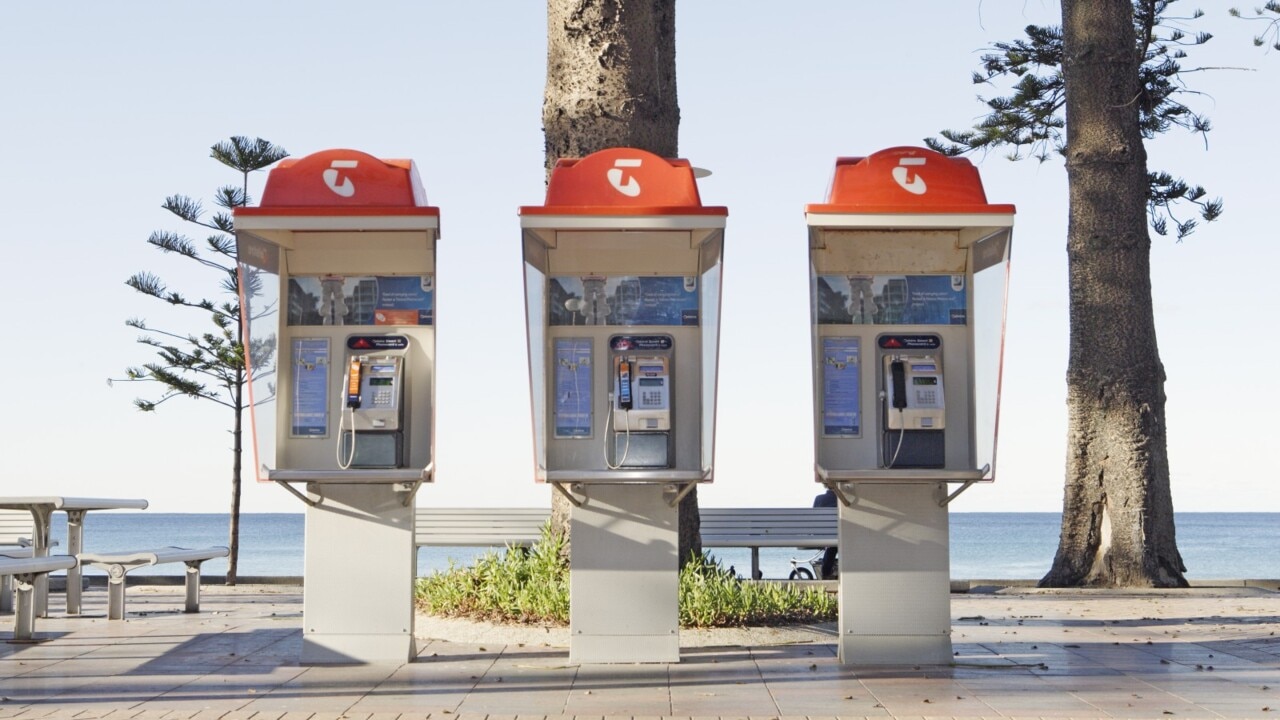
column 895, row 576
column 358, row 592
column 623, row 585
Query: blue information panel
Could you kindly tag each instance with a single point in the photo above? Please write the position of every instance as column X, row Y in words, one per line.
column 573, row 387
column 309, row 414
column 892, row 300
column 623, row 300
column 362, row 300
column 841, row 387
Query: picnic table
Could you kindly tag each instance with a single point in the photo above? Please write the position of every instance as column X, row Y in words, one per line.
column 42, row 508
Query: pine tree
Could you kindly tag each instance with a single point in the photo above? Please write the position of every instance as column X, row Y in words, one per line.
column 1094, row 91
column 207, row 365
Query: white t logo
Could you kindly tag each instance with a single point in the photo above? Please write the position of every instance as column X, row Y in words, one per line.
column 630, row 188
column 345, row 188
column 902, row 176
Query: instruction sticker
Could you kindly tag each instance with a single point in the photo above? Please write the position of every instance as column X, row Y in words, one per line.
column 309, row 413
column 841, row 387
column 573, row 387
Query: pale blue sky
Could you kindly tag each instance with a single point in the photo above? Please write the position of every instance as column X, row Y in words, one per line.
column 109, row 107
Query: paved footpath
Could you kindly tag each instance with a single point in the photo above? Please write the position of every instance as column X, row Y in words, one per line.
column 1207, row 653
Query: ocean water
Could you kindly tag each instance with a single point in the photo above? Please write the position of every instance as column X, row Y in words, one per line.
column 1007, row 546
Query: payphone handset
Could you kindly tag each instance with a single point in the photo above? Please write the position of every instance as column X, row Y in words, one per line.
column 642, row 394
column 374, row 405
column 914, row 394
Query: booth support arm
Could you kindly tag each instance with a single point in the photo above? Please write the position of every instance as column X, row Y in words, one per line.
column 559, row 486
column 677, row 495
column 411, row 489
column 313, row 503
column 836, row 487
column 947, row 500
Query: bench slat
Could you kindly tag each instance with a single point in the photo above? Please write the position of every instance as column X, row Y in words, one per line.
column 721, row 527
column 154, row 557
column 119, row 564
column 29, row 565
column 15, row 527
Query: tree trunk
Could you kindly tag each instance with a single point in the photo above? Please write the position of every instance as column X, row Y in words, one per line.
column 1117, row 516
column 237, row 446
column 611, row 82
column 611, row 78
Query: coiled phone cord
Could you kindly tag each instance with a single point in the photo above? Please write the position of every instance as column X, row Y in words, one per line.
column 337, row 449
column 626, row 447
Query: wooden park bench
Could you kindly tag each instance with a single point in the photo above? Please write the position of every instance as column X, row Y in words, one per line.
column 751, row 528
column 755, row 528
column 118, row 565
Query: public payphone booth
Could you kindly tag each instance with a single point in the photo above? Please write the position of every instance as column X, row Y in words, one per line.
column 337, row 286
column 622, row 288
column 908, row 270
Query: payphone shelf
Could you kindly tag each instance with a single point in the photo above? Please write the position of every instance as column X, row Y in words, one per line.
column 406, row 481
column 906, row 475
column 388, row 476
column 625, row 477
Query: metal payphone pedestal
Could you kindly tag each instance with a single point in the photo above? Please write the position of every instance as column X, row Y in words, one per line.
column 625, row 583
column 359, row 544
column 895, row 604
column 359, row 565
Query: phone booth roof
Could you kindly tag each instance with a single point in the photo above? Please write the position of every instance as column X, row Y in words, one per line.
column 622, row 187
column 907, row 187
column 340, row 189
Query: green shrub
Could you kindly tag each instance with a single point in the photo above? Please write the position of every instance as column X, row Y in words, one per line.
column 532, row 586
column 516, row 585
column 712, row 596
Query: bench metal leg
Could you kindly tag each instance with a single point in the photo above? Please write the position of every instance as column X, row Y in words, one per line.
column 75, row 546
column 42, row 517
column 6, row 594
column 25, row 621
column 115, row 592
column 755, row 564
column 193, row 586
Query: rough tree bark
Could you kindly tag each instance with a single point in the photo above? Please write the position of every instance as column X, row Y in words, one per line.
column 1117, row 519
column 611, row 82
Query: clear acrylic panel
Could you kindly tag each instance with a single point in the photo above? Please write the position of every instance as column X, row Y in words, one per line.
column 709, row 286
column 535, row 300
column 260, row 313
column 990, row 302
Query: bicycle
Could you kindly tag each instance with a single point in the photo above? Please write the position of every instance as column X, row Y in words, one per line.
column 800, row 572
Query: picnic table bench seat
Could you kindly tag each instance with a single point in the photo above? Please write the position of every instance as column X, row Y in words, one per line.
column 117, row 566
column 24, row 571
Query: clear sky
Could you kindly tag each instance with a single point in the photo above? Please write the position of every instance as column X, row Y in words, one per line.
column 109, row 107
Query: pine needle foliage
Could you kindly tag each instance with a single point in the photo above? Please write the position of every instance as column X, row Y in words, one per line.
column 1269, row 16
column 207, row 365
column 532, row 587
column 1030, row 122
